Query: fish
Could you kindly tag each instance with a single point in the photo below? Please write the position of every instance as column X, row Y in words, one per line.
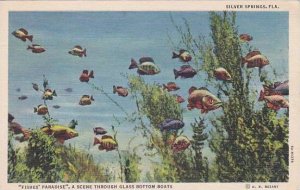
column 222, row 74
column 18, row 89
column 23, row 97
column 56, row 106
column 41, row 109
column 86, row 100
column 85, row 75
column 22, row 34
column 181, row 143
column 146, row 66
column 99, row 131
column 278, row 88
column 69, row 90
column 17, row 128
column 120, row 90
column 171, row 124
column 78, row 51
column 185, row 71
column 60, row 132
column 35, row 48
column 48, row 94
column 274, row 102
column 255, row 59
column 202, row 99
column 183, row 55
column 179, row 98
column 106, row 142
column 171, row 86
column 246, row 37
column 35, row 86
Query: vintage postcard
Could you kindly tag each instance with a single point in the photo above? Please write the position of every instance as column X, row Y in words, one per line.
column 150, row 95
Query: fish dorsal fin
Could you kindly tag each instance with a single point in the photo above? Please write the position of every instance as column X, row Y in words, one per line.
column 171, row 83
column 85, row 71
column 85, row 96
column 35, row 45
column 146, row 59
column 185, row 67
column 192, row 89
column 78, row 47
column 182, row 51
column 119, row 87
column 204, row 88
column 253, row 53
column 24, row 31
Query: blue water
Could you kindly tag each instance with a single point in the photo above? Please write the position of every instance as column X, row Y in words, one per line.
column 112, row 39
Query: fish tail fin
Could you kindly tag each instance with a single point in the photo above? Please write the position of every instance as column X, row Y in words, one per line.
column 92, row 98
column 54, row 93
column 261, row 96
column 29, row 47
column 175, row 55
column 91, row 75
column 84, row 52
column 96, row 141
column 34, row 110
column 30, row 37
column 94, row 130
column 114, row 89
column 176, row 73
column 133, row 64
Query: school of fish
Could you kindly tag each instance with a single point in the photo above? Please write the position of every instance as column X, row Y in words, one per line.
column 198, row 98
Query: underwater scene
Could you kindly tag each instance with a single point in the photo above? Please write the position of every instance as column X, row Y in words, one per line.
column 148, row 97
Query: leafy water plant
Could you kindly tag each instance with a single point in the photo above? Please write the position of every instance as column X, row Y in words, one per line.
column 154, row 106
column 79, row 166
column 41, row 158
column 250, row 143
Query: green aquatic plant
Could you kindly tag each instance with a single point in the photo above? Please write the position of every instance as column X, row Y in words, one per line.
column 132, row 171
column 80, row 166
column 42, row 158
column 12, row 159
column 249, row 143
column 154, row 105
